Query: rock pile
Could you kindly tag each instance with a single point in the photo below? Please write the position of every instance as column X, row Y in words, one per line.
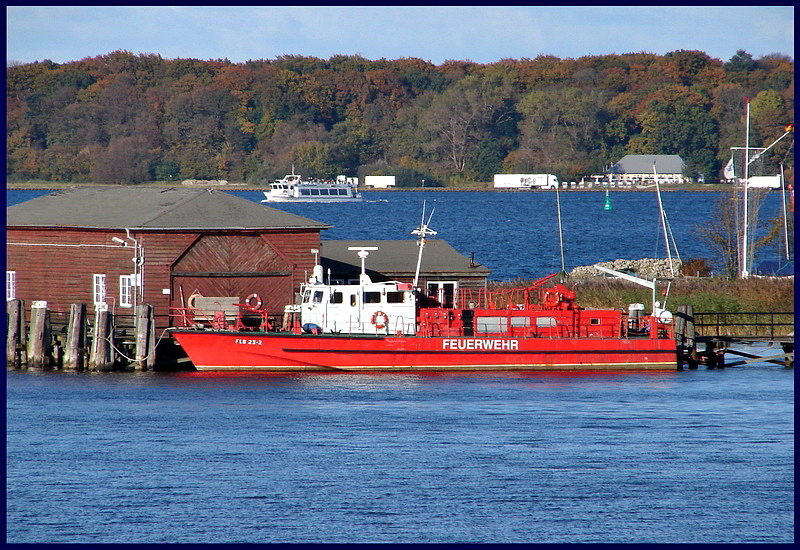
column 646, row 268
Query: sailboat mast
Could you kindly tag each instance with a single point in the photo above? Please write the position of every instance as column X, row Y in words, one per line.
column 560, row 236
column 743, row 260
column 783, row 203
column 663, row 220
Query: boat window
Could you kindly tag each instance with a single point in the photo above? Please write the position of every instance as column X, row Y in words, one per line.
column 317, row 296
column 520, row 321
column 323, row 191
column 543, row 322
column 352, row 300
column 342, row 191
column 314, row 191
column 491, row 324
column 306, row 296
column 337, row 297
column 395, row 297
column 594, row 321
column 305, row 191
column 372, row 297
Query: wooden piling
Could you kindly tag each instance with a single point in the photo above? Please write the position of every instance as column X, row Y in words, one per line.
column 685, row 336
column 145, row 338
column 40, row 346
column 75, row 351
column 102, row 355
column 15, row 335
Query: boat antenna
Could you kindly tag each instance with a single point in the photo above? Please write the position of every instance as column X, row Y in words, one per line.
column 422, row 233
column 363, row 252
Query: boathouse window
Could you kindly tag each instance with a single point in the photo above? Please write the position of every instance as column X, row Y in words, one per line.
column 337, row 297
column 395, row 297
column 11, row 285
column 491, row 324
column 545, row 322
column 99, row 288
column 125, row 291
column 372, row 297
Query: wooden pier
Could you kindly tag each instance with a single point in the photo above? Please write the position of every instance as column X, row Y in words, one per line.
column 55, row 340
column 719, row 331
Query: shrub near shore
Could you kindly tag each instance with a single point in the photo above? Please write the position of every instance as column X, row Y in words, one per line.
column 712, row 294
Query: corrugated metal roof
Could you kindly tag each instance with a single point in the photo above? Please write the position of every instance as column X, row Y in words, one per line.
column 151, row 208
column 643, row 164
column 394, row 257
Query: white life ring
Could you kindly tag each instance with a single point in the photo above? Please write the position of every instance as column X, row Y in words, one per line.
column 380, row 319
column 250, row 299
column 191, row 299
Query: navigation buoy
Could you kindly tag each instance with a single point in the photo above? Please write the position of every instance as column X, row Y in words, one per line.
column 607, row 205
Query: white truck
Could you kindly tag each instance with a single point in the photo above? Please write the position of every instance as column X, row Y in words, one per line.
column 525, row 181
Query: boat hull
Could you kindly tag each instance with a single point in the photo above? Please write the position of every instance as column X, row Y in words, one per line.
column 293, row 199
column 286, row 352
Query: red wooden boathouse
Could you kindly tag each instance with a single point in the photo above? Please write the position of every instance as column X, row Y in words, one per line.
column 116, row 246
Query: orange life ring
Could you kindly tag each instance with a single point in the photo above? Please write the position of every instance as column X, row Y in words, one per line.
column 250, row 298
column 380, row 324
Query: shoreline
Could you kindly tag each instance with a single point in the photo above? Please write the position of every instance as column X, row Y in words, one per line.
column 694, row 187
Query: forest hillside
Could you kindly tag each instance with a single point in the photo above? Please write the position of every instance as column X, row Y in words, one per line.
column 126, row 119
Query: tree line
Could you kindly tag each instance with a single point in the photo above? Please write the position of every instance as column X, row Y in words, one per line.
column 126, row 119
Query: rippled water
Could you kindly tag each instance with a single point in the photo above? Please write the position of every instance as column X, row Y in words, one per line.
column 693, row 456
column 684, row 457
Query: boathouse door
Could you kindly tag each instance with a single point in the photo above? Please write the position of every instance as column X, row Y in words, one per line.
column 234, row 266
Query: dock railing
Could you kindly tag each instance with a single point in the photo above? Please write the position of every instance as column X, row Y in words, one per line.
column 750, row 324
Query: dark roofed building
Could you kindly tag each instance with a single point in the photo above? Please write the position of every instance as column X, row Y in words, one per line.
column 443, row 271
column 116, row 246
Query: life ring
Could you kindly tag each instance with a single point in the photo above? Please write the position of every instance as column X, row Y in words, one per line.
column 191, row 299
column 380, row 319
column 551, row 299
column 250, row 298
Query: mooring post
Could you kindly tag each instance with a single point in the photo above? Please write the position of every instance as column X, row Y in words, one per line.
column 145, row 339
column 680, row 334
column 40, row 345
column 15, row 337
column 101, row 357
column 75, row 351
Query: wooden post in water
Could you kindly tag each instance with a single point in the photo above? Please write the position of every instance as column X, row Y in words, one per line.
column 40, row 344
column 75, row 352
column 102, row 357
column 15, row 336
column 145, row 337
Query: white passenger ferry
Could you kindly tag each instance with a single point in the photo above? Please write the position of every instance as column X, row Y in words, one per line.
column 292, row 188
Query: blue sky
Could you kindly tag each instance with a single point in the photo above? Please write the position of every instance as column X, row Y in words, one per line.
column 477, row 33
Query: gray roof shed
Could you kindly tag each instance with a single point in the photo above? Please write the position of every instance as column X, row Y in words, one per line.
column 148, row 208
column 399, row 257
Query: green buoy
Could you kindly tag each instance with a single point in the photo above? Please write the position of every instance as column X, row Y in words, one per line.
column 607, row 205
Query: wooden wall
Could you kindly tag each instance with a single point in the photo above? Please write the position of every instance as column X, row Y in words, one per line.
column 57, row 265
